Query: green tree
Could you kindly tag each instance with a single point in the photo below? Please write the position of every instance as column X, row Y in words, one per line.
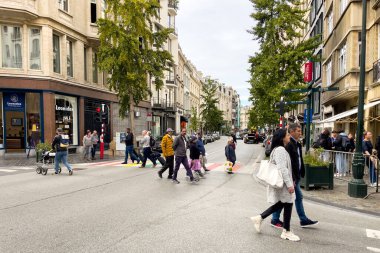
column 211, row 115
column 283, row 51
column 131, row 52
column 194, row 120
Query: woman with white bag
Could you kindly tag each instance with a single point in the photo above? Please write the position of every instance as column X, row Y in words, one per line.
column 280, row 197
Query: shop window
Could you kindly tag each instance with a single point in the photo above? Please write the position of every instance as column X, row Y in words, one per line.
column 1, row 122
column 56, row 54
column 11, row 41
column 34, row 48
column 66, row 116
column 33, row 120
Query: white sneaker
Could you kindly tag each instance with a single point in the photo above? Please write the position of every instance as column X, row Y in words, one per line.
column 288, row 235
column 257, row 220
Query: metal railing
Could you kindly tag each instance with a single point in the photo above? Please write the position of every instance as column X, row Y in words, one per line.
column 343, row 166
column 173, row 4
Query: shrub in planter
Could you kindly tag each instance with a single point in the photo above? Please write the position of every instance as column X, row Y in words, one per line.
column 317, row 171
column 41, row 147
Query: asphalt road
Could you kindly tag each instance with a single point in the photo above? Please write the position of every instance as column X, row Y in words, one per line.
column 108, row 207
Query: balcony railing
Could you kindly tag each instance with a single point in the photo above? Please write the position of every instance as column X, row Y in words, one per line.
column 376, row 71
column 170, row 79
column 163, row 104
column 173, row 4
column 158, row 103
column 175, row 30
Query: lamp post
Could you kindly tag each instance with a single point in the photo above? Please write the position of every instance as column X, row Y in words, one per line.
column 357, row 188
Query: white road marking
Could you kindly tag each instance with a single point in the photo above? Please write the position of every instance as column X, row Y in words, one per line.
column 22, row 168
column 373, row 233
column 373, row 249
column 7, row 171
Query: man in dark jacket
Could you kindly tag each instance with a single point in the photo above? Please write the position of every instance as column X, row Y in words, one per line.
column 129, row 138
column 202, row 149
column 180, row 146
column 60, row 145
column 294, row 149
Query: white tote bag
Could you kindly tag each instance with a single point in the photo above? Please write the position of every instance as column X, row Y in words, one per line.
column 269, row 174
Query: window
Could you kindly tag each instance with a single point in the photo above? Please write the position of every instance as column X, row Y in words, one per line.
column 95, row 68
column 342, row 60
column 317, row 67
column 56, row 54
column 330, row 25
column 169, row 45
column 103, row 6
column 93, row 11
column 343, row 6
column 328, row 73
column 64, row 5
column 69, row 50
column 85, row 63
column 11, row 41
column 34, row 48
column 312, row 13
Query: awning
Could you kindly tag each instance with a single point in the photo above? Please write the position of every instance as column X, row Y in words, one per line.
column 349, row 113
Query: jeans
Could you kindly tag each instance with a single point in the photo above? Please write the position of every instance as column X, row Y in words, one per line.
column 372, row 172
column 129, row 150
column 277, row 208
column 169, row 163
column 93, row 150
column 203, row 161
column 148, row 154
column 61, row 156
column 87, row 151
column 341, row 163
column 182, row 160
column 298, row 203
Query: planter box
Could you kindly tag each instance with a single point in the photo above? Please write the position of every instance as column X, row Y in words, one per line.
column 318, row 176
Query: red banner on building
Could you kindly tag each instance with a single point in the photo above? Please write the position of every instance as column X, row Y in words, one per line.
column 308, row 74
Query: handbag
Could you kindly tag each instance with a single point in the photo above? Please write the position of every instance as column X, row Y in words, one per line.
column 269, row 174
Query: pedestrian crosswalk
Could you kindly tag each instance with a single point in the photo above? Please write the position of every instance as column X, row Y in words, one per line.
column 15, row 169
column 373, row 234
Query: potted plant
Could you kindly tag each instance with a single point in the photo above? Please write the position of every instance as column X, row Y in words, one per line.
column 40, row 148
column 317, row 171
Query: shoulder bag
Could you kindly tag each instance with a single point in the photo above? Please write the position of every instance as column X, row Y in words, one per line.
column 269, row 174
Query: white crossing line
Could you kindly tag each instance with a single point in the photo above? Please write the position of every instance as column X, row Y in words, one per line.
column 7, row 171
column 375, row 234
column 21, row 168
column 373, row 249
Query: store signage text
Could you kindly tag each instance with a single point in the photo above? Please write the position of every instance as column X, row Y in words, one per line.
column 14, row 102
column 62, row 108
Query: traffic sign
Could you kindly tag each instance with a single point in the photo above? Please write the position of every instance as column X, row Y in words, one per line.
column 296, row 103
column 295, row 90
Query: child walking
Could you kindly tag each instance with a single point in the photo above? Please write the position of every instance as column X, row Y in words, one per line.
column 230, row 153
column 195, row 163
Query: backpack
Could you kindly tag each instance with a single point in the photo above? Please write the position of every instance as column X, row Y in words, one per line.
column 152, row 141
column 64, row 141
column 346, row 145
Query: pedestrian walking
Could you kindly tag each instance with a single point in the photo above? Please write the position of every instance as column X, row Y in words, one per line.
column 147, row 149
column 87, row 144
column 95, row 140
column 180, row 146
column 129, row 149
column 229, row 151
column 294, row 149
column 195, row 154
column 168, row 153
column 367, row 150
column 201, row 147
column 280, row 198
column 60, row 145
column 341, row 144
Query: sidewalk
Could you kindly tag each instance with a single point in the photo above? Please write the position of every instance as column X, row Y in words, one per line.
column 339, row 198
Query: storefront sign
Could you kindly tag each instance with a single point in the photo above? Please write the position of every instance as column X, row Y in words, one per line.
column 308, row 75
column 62, row 108
column 14, row 102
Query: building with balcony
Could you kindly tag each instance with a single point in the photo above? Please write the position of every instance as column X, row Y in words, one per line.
column 244, row 117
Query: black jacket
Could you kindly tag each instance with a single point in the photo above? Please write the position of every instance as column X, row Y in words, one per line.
column 194, row 151
column 56, row 144
column 230, row 153
column 293, row 153
column 129, row 139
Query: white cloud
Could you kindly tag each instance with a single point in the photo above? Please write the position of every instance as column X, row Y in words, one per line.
column 213, row 35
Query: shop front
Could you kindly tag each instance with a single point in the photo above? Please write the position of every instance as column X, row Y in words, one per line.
column 20, row 120
column 66, row 116
column 90, row 117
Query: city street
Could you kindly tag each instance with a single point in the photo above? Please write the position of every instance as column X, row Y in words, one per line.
column 109, row 207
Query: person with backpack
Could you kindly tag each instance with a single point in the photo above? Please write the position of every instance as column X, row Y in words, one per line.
column 145, row 143
column 341, row 144
column 129, row 148
column 60, row 145
column 195, row 163
column 229, row 151
column 87, row 144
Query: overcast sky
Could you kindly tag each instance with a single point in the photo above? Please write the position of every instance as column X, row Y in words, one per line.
column 213, row 35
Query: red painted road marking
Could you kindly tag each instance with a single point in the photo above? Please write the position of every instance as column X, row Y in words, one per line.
column 214, row 166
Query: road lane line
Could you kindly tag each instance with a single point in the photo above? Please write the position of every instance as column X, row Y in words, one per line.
column 373, row 249
column 375, row 234
column 7, row 171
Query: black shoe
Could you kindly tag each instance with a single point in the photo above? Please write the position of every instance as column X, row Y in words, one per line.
column 124, row 163
column 277, row 224
column 308, row 223
column 71, row 172
column 175, row 181
column 206, row 170
column 159, row 174
column 170, row 177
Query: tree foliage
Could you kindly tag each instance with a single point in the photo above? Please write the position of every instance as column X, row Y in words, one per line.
column 131, row 51
column 283, row 51
column 194, row 120
column 211, row 115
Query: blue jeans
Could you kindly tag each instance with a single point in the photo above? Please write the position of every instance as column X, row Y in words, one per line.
column 129, row 150
column 182, row 160
column 61, row 156
column 372, row 172
column 298, row 203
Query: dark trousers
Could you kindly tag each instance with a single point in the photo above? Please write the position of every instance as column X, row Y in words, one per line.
column 168, row 164
column 93, row 150
column 129, row 150
column 278, row 206
column 148, row 154
column 182, row 160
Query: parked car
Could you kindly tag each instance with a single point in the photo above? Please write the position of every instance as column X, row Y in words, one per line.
column 267, row 145
column 252, row 137
column 216, row 136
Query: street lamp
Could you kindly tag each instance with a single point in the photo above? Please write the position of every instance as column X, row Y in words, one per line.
column 357, row 188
